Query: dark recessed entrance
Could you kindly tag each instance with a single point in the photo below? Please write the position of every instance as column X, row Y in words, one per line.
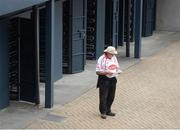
column 22, row 72
column 73, row 36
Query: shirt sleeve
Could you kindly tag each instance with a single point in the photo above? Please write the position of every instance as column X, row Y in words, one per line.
column 117, row 63
column 100, row 64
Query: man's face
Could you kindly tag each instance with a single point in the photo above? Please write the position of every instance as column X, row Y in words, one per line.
column 109, row 55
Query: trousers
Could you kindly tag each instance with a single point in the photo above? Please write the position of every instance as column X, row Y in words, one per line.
column 107, row 90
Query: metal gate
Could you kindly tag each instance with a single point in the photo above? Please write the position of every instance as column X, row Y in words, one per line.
column 42, row 43
column 22, row 72
column 149, row 11
column 13, row 59
column 73, row 36
column 129, row 16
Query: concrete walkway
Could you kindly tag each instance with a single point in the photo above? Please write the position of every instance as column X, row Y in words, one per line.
column 147, row 96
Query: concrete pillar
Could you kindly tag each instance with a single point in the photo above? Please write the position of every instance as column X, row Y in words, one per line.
column 100, row 34
column 138, row 28
column 50, row 29
column 35, row 18
column 4, row 80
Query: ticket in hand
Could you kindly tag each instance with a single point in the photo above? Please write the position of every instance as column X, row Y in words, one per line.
column 119, row 71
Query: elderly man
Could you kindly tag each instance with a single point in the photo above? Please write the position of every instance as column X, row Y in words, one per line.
column 107, row 69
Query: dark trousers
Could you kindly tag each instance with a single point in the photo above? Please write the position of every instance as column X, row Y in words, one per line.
column 106, row 94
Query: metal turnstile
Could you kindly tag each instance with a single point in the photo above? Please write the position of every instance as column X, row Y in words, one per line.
column 121, row 22
column 22, row 72
column 73, row 36
column 14, row 60
column 129, row 16
column 91, row 29
column 42, row 43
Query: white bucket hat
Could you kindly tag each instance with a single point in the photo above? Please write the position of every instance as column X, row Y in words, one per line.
column 111, row 50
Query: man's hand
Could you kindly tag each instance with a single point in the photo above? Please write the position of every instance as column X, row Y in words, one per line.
column 108, row 73
column 104, row 73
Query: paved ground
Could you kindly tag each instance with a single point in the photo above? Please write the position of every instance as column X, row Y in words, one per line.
column 70, row 87
column 147, row 96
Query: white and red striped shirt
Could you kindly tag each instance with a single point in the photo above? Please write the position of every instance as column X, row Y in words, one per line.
column 106, row 64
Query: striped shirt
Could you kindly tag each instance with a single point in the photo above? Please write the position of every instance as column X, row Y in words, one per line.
column 106, row 64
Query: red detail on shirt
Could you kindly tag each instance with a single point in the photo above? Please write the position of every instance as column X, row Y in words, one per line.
column 112, row 67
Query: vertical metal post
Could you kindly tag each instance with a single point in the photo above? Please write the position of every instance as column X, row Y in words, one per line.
column 100, row 34
column 19, row 59
column 49, row 57
column 154, row 14
column 121, row 22
column 115, row 28
column 58, row 41
column 133, row 19
column 4, row 56
column 128, row 28
column 85, row 28
column 35, row 18
column 138, row 28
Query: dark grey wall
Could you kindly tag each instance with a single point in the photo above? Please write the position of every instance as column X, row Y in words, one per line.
column 58, row 41
column 4, row 87
column 168, row 15
column 9, row 6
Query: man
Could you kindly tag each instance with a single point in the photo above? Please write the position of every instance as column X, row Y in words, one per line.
column 107, row 69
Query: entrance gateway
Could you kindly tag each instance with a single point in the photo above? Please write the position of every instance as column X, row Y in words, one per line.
column 22, row 72
column 73, row 36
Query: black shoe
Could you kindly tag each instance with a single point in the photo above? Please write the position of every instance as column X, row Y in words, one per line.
column 110, row 114
column 103, row 116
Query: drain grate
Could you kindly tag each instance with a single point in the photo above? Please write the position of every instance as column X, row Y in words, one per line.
column 55, row 118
